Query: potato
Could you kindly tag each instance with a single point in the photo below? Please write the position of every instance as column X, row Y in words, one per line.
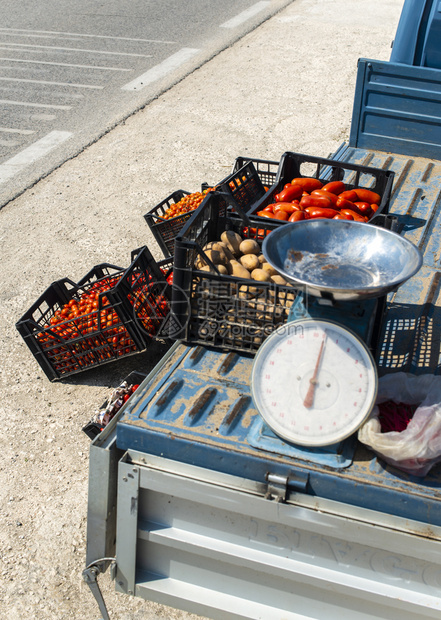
column 220, row 268
column 277, row 279
column 270, row 269
column 232, row 241
column 260, row 275
column 262, row 259
column 249, row 261
column 228, row 253
column 249, row 246
column 239, row 271
column 217, row 257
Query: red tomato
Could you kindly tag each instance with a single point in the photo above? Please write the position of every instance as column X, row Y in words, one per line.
column 366, row 195
column 335, row 187
column 374, row 207
column 282, row 215
column 269, row 208
column 315, row 201
column 349, row 195
column 321, row 192
column 364, row 208
column 288, row 207
column 308, row 184
column 344, row 203
column 343, row 216
column 356, row 216
column 271, row 216
column 319, row 212
column 297, row 216
column 290, row 193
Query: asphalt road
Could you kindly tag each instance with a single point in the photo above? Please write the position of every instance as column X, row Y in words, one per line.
column 71, row 72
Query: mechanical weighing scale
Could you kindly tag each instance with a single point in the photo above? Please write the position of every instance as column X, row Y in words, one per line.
column 314, row 380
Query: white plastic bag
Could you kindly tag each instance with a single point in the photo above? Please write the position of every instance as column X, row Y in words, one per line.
column 418, row 448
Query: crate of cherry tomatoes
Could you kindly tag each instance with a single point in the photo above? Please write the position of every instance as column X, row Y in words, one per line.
column 313, row 187
column 169, row 216
column 110, row 313
column 167, row 219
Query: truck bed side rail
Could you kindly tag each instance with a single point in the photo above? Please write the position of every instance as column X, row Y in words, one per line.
column 397, row 108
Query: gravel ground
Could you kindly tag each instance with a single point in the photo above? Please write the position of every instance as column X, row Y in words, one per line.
column 286, row 86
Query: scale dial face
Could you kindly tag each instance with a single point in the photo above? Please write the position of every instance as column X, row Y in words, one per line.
column 314, row 382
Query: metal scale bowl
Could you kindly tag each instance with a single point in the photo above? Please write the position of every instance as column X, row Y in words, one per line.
column 314, row 380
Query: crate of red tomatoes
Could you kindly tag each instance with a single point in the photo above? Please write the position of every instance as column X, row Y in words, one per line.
column 310, row 187
column 110, row 313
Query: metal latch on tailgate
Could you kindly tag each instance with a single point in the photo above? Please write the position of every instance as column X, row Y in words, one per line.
column 278, row 485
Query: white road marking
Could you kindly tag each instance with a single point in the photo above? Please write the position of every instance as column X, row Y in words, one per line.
column 65, row 64
column 28, row 104
column 159, row 71
column 35, row 151
column 71, row 84
column 24, row 132
column 247, row 14
column 54, row 33
column 19, row 46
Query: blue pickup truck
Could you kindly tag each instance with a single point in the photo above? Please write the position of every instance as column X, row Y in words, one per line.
column 194, row 503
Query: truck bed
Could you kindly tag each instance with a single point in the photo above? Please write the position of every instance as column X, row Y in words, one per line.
column 203, row 508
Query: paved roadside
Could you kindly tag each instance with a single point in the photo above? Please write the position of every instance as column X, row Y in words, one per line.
column 288, row 85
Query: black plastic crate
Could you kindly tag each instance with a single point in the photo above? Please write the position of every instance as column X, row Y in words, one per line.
column 166, row 230
column 266, row 169
column 243, row 187
column 217, row 310
column 143, row 294
column 107, row 326
column 293, row 165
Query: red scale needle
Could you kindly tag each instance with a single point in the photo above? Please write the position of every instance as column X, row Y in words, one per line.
column 309, row 398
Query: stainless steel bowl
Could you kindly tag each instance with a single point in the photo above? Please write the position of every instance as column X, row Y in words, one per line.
column 341, row 260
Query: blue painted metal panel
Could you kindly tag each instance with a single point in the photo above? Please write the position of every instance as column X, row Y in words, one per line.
column 397, row 109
